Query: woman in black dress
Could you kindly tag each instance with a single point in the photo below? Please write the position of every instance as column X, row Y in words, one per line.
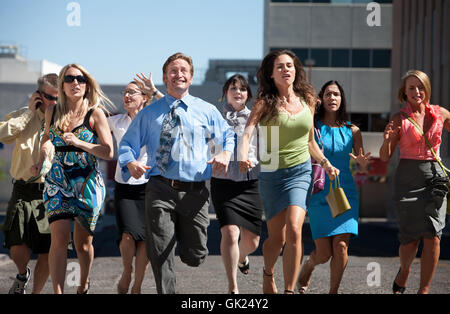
column 235, row 194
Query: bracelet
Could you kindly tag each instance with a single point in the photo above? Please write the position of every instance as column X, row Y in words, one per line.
column 323, row 162
column 155, row 92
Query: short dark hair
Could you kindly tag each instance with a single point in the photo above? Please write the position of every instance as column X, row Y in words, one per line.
column 244, row 83
column 50, row 79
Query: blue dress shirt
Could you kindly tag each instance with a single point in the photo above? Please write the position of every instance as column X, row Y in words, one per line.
column 203, row 131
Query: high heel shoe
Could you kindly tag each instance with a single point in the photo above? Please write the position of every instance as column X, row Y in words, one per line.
column 244, row 267
column 87, row 290
column 396, row 289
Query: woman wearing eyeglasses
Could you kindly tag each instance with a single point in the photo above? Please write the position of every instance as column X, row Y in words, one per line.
column 77, row 130
column 129, row 195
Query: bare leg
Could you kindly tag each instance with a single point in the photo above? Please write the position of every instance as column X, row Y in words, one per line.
column 320, row 255
column 272, row 248
column 407, row 253
column 338, row 261
column 127, row 249
column 429, row 260
column 141, row 265
column 293, row 250
column 229, row 250
column 57, row 258
column 41, row 273
column 248, row 244
column 85, row 252
column 20, row 254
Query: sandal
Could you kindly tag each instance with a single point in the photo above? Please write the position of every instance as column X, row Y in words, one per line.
column 87, row 289
column 244, row 267
column 302, row 286
column 286, row 291
column 396, row 289
column 265, row 274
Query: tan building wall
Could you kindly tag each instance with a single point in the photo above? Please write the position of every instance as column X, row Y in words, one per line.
column 421, row 40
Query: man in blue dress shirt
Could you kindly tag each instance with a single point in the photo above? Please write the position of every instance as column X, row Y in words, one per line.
column 177, row 200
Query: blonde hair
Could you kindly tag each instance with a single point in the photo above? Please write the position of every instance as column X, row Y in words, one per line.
column 422, row 77
column 93, row 98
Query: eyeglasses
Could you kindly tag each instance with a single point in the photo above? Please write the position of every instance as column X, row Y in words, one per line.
column 49, row 97
column 70, row 78
column 131, row 92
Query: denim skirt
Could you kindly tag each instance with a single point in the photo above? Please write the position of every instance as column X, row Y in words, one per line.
column 285, row 187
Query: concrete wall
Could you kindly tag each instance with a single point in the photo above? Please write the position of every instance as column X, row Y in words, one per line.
column 325, row 26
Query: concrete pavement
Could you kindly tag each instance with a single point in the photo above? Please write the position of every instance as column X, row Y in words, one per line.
column 373, row 263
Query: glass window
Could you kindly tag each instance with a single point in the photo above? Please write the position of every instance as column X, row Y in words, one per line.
column 381, row 58
column 320, row 57
column 302, row 54
column 361, row 58
column 340, row 58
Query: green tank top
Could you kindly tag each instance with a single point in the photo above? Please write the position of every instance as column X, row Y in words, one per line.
column 285, row 139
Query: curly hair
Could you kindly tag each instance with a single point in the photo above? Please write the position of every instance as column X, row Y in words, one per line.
column 268, row 92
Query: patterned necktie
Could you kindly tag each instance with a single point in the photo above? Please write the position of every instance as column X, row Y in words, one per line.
column 167, row 139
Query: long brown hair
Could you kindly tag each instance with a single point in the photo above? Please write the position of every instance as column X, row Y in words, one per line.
column 268, row 92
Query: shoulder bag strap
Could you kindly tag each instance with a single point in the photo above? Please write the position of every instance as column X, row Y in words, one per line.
column 445, row 169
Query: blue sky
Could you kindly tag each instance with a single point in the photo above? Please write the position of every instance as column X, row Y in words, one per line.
column 117, row 39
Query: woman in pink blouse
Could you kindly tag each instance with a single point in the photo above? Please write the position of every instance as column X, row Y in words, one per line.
column 420, row 183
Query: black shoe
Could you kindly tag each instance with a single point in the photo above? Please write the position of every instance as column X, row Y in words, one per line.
column 396, row 289
column 244, row 268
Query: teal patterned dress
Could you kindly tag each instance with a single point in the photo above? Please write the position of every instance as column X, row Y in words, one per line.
column 74, row 186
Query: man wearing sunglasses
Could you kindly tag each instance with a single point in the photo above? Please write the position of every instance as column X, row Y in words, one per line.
column 26, row 227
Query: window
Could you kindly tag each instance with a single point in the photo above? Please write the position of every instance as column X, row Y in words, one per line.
column 320, row 57
column 340, row 58
column 344, row 58
column 302, row 54
column 361, row 58
column 381, row 58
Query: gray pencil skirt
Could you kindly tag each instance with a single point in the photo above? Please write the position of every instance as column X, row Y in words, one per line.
column 420, row 199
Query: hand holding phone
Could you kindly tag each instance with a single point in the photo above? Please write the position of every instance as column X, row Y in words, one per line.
column 39, row 103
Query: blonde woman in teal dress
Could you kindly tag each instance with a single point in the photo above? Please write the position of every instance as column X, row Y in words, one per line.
column 77, row 131
column 331, row 235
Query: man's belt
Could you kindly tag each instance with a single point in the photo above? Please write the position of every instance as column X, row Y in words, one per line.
column 182, row 185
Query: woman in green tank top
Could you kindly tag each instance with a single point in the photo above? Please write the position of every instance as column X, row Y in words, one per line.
column 284, row 109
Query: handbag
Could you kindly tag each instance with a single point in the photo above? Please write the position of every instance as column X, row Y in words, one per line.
column 444, row 169
column 337, row 200
column 317, row 170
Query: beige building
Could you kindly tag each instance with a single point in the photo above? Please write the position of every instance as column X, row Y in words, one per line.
column 421, row 40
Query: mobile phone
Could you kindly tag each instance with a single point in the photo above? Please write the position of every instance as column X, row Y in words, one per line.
column 39, row 103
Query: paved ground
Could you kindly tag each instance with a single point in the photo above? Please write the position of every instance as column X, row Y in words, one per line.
column 372, row 265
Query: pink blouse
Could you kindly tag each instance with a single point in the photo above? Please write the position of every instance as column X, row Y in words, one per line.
column 412, row 144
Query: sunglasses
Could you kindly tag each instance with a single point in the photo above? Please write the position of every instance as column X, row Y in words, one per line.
column 70, row 78
column 49, row 97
